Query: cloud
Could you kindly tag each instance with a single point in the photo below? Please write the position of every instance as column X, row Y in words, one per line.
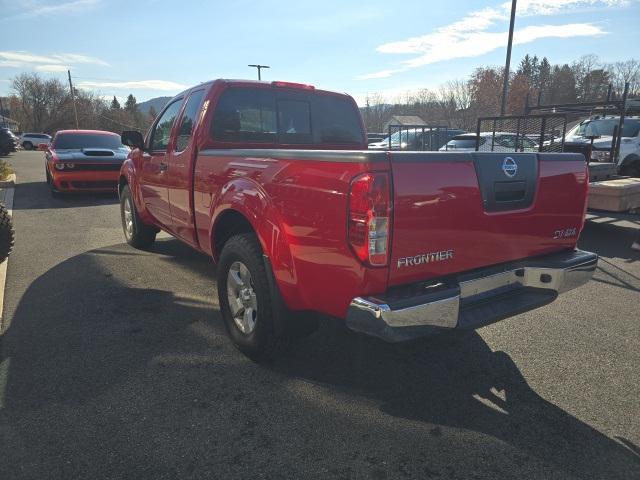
column 52, row 68
column 15, row 59
column 470, row 36
column 380, row 74
column 34, row 8
column 136, row 85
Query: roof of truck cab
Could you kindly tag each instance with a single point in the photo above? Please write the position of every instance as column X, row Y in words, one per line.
column 238, row 82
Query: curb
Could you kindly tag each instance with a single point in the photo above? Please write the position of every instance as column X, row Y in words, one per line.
column 9, row 182
column 7, row 189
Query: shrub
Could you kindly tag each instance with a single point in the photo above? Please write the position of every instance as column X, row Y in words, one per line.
column 5, row 169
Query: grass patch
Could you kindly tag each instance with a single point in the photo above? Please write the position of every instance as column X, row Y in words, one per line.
column 5, row 169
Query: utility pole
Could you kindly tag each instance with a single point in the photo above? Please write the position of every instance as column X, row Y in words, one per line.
column 259, row 67
column 505, row 84
column 4, row 119
column 73, row 99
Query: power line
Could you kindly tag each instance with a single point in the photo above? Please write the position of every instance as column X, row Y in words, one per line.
column 118, row 122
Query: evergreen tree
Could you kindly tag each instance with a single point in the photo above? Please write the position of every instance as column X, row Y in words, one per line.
column 544, row 76
column 115, row 104
column 525, row 68
column 152, row 113
column 131, row 105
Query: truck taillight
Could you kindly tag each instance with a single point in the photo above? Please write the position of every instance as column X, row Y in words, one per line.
column 370, row 218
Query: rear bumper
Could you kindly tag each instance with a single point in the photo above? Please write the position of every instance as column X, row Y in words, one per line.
column 470, row 300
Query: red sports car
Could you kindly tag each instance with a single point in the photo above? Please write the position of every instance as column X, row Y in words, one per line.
column 84, row 160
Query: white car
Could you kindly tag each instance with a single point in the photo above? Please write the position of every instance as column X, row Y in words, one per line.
column 503, row 142
column 602, row 128
column 29, row 141
column 416, row 139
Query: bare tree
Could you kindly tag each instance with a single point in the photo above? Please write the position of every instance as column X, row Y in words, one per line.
column 623, row 72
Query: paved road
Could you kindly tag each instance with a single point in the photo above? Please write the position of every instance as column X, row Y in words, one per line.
column 114, row 365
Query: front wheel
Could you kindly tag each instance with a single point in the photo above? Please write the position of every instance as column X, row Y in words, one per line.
column 249, row 306
column 136, row 232
column 27, row 146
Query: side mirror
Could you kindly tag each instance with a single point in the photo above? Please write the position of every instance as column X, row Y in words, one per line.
column 133, row 139
column 43, row 147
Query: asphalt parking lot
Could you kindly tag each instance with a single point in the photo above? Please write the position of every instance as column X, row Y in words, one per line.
column 114, row 364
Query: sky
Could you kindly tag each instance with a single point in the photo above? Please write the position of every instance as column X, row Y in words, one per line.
column 157, row 48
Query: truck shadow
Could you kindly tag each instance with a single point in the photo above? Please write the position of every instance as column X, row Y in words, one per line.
column 612, row 241
column 458, row 382
column 93, row 358
column 35, row 195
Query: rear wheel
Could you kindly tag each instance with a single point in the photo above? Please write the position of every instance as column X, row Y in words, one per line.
column 250, row 308
column 27, row 146
column 136, row 232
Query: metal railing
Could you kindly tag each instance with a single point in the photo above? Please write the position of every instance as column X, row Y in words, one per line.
column 521, row 133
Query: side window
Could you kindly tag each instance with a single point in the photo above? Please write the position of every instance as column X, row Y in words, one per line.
column 244, row 114
column 188, row 120
column 162, row 129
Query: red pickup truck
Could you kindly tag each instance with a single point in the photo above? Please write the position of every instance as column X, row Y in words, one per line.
column 273, row 180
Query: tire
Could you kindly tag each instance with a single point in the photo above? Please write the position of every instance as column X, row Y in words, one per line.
column 27, row 146
column 136, row 232
column 257, row 324
column 54, row 193
column 7, row 234
column 631, row 167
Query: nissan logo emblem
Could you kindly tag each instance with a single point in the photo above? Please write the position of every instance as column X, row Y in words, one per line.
column 510, row 167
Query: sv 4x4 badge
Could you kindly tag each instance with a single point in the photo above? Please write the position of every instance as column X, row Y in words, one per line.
column 565, row 233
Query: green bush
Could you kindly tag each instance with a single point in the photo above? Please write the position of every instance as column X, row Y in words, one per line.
column 5, row 169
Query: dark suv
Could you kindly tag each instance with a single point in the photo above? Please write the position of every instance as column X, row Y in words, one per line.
column 8, row 142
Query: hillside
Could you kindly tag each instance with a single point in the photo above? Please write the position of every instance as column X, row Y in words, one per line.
column 157, row 103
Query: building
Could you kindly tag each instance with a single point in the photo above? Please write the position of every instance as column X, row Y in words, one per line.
column 408, row 120
column 9, row 123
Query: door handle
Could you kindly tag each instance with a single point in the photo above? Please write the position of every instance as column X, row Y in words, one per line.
column 163, row 167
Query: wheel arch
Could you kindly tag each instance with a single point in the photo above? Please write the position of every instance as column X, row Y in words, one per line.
column 630, row 165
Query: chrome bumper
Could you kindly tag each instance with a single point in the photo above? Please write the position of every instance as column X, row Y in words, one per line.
column 470, row 300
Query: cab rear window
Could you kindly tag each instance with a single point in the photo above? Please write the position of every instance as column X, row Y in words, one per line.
column 261, row 115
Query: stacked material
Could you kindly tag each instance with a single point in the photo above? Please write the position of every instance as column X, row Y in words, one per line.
column 619, row 195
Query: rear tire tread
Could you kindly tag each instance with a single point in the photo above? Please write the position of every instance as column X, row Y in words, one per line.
column 269, row 339
column 143, row 235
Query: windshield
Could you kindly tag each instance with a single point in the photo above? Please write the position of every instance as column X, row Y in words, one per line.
column 402, row 136
column 464, row 142
column 77, row 141
column 605, row 127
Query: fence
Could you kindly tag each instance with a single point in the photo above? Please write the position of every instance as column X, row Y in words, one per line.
column 521, row 133
column 420, row 137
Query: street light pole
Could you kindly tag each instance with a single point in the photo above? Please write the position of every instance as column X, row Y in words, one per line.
column 259, row 67
column 505, row 84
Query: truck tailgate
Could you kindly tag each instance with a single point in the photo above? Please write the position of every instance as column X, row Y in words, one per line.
column 456, row 212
